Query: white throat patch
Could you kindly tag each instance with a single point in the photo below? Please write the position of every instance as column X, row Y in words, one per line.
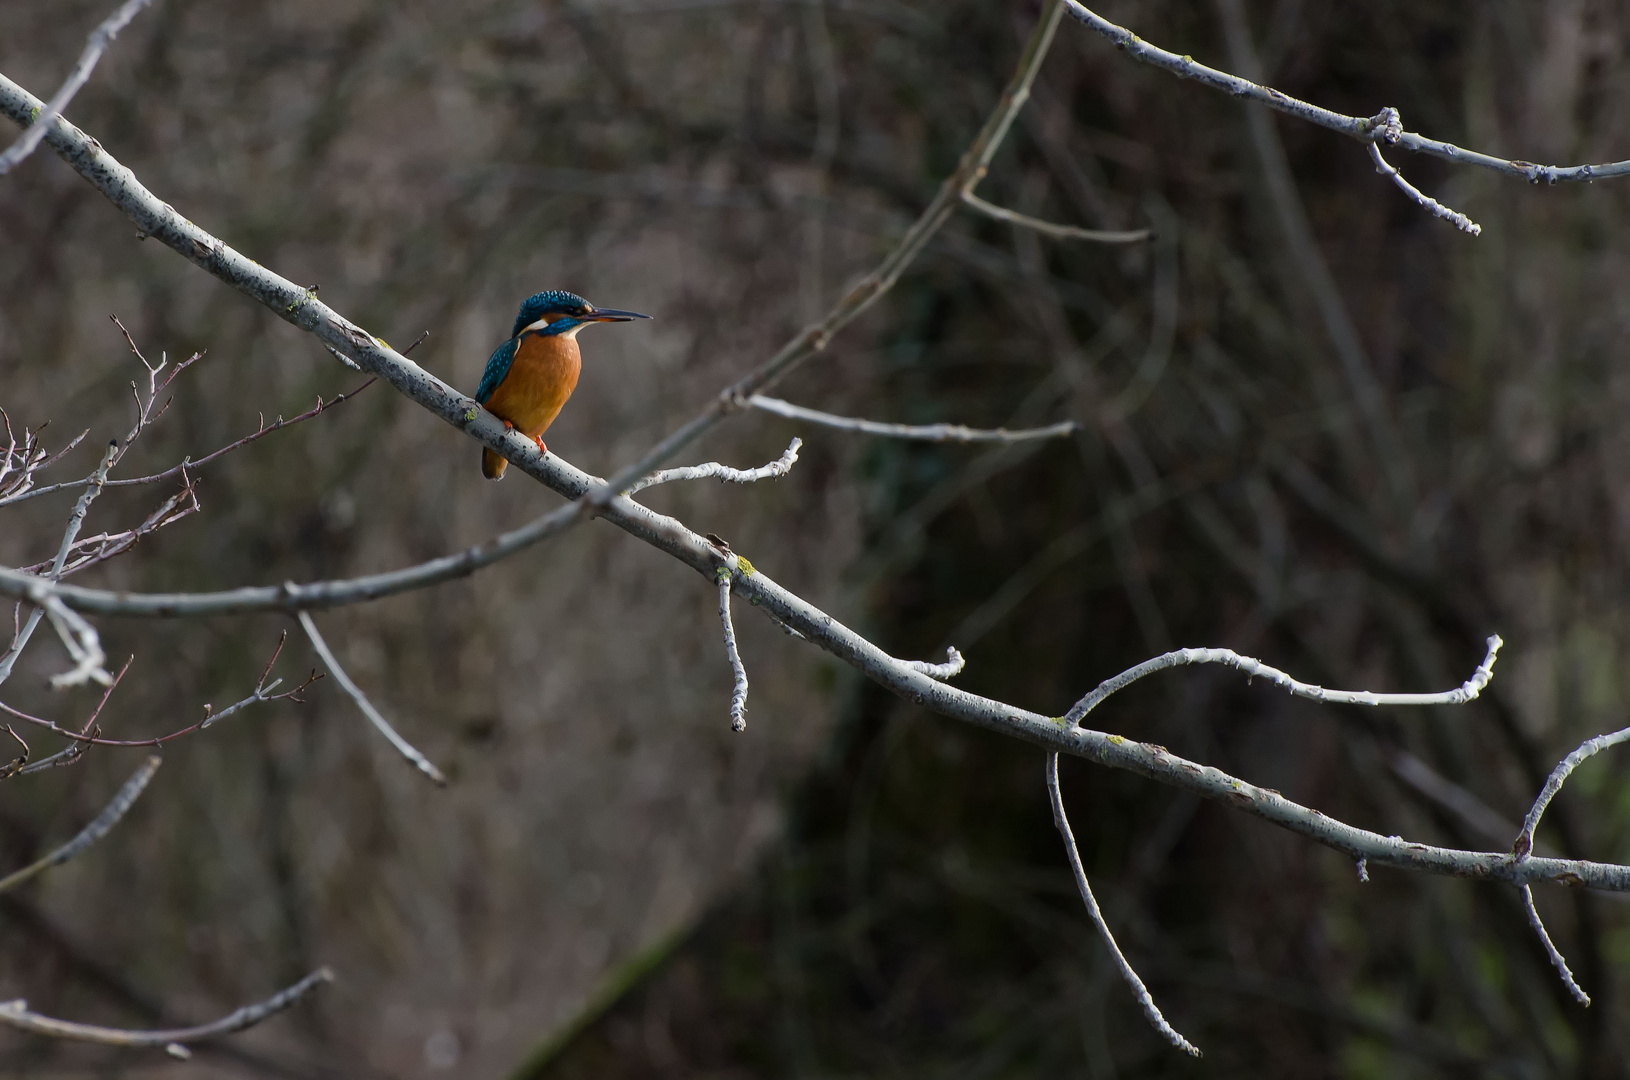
column 543, row 324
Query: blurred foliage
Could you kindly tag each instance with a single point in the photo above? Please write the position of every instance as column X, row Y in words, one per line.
column 429, row 164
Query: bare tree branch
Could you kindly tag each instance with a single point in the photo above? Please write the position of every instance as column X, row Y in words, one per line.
column 1551, row 950
column 925, row 432
column 738, row 693
column 76, row 634
column 403, row 747
column 1150, row 1011
column 188, row 463
column 288, row 596
column 1524, row 842
column 1361, row 128
column 1454, row 217
column 1048, row 228
column 17, row 1015
column 775, row 470
column 90, row 834
column 95, row 46
column 1461, row 694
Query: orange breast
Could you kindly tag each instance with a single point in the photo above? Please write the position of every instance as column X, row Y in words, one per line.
column 542, row 377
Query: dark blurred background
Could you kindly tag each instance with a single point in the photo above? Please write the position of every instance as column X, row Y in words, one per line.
column 1323, row 428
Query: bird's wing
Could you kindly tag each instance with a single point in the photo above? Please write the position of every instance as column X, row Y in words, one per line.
column 497, row 368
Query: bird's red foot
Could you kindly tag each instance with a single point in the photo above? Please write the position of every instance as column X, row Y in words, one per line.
column 508, row 426
column 541, row 447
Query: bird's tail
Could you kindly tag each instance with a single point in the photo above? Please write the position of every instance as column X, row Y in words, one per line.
column 492, row 465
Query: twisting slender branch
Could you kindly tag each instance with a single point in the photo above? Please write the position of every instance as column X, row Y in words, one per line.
column 1141, row 992
column 1461, row 694
column 1056, row 231
column 712, row 470
column 403, row 747
column 925, row 432
column 90, row 834
column 1523, row 845
column 738, row 693
column 1364, row 129
column 95, row 46
column 17, row 1015
column 88, row 735
column 1551, row 950
column 1454, row 217
column 76, row 747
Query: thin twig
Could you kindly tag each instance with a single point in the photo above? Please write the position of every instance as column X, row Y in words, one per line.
column 90, row 834
column 952, row 667
column 261, row 432
column 1524, row 843
column 925, row 432
column 87, row 737
column 77, row 635
column 1454, row 217
column 712, row 470
column 1467, row 691
column 1141, row 992
column 403, row 747
column 17, row 1015
column 95, row 46
column 1551, row 950
column 738, row 693
column 15, row 766
column 100, row 548
column 1056, row 231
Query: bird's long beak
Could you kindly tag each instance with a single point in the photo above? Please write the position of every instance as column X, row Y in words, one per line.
column 612, row 315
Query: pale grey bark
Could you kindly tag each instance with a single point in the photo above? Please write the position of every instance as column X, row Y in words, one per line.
column 99, row 827
column 17, row 1014
column 923, row 432
column 375, row 717
column 95, row 46
column 1364, row 129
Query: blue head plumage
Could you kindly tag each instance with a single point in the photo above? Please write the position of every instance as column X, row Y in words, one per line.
column 549, row 302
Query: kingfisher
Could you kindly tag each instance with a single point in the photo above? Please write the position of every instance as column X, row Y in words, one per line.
column 531, row 375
